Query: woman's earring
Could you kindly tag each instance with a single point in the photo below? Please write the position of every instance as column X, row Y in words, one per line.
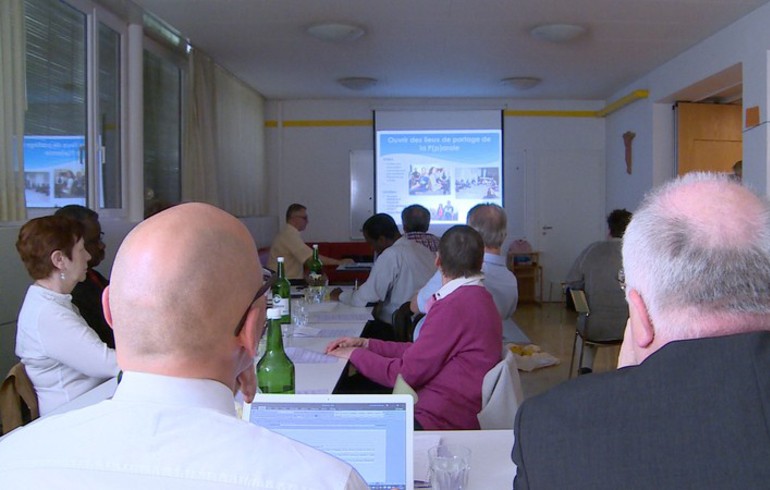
column 62, row 276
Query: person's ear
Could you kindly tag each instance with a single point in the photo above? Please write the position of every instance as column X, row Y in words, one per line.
column 642, row 329
column 251, row 332
column 57, row 259
column 106, row 306
column 438, row 261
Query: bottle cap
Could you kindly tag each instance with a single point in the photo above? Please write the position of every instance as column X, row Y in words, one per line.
column 273, row 313
column 315, row 245
column 279, row 259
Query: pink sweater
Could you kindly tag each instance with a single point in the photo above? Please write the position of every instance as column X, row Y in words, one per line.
column 460, row 341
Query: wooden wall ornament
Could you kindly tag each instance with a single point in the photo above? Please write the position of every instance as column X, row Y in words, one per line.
column 628, row 138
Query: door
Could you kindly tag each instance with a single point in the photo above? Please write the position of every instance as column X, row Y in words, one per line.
column 570, row 210
column 708, row 137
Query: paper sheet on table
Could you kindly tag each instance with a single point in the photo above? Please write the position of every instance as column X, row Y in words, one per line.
column 332, row 316
column 326, row 332
column 423, row 442
column 298, row 355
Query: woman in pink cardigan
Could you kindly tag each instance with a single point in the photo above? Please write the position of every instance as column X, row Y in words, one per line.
column 460, row 341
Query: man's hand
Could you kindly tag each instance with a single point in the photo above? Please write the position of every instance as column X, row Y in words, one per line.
column 334, row 295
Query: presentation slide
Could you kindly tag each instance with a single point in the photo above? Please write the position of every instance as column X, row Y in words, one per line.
column 449, row 166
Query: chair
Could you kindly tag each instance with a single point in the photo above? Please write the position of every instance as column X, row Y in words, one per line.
column 404, row 321
column 501, row 395
column 18, row 400
column 581, row 306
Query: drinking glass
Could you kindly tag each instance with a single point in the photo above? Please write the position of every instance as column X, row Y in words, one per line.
column 449, row 466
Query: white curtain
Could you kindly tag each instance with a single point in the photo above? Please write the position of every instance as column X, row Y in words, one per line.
column 224, row 142
column 12, row 107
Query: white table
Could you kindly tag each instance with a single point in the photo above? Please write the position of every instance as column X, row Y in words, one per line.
column 491, row 464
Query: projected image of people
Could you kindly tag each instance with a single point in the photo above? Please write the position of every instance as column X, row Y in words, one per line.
column 430, row 181
column 477, row 183
column 443, row 212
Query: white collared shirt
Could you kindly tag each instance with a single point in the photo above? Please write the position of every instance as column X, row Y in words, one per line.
column 164, row 432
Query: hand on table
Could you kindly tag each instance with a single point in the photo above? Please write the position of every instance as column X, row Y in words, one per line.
column 343, row 346
column 334, row 295
column 347, row 260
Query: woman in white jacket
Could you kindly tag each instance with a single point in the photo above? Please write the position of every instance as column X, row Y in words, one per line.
column 63, row 356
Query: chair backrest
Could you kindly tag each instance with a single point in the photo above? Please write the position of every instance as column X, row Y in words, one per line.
column 18, row 400
column 580, row 301
column 501, row 395
column 403, row 322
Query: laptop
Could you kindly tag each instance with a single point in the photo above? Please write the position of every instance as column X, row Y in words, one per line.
column 372, row 433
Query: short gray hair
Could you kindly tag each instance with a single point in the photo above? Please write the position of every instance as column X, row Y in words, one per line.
column 699, row 246
column 491, row 223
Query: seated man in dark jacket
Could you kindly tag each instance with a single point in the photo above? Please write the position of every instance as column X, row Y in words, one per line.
column 688, row 408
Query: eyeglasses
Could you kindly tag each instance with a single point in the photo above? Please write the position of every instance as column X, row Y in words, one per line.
column 622, row 279
column 268, row 279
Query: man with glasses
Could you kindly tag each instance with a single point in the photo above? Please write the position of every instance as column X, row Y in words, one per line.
column 688, row 408
column 289, row 245
column 187, row 305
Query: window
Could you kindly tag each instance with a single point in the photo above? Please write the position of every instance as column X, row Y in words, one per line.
column 162, row 130
column 72, row 142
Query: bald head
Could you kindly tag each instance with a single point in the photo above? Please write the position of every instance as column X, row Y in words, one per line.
column 179, row 285
column 491, row 223
column 698, row 253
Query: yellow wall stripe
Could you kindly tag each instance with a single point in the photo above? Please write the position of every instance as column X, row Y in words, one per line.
column 604, row 112
column 539, row 113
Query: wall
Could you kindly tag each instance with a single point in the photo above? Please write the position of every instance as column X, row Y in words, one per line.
column 745, row 42
column 309, row 160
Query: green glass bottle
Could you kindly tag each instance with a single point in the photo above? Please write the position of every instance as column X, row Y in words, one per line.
column 315, row 265
column 282, row 294
column 275, row 371
column 316, row 279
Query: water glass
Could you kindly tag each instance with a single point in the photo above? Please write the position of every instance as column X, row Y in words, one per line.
column 449, row 466
column 299, row 313
column 287, row 332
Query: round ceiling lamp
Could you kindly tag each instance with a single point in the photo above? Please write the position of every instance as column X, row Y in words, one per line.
column 558, row 33
column 521, row 83
column 357, row 83
column 335, row 32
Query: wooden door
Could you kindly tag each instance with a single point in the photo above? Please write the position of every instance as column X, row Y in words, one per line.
column 709, row 137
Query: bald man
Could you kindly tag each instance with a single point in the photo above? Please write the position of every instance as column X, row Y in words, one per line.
column 688, row 408
column 186, row 302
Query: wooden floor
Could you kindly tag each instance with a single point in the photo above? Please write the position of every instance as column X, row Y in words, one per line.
column 552, row 327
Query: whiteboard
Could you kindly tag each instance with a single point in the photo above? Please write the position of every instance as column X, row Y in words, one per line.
column 361, row 190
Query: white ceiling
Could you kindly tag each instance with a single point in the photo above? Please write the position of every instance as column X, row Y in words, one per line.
column 445, row 48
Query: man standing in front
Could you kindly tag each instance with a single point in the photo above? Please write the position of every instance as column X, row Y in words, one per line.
column 492, row 224
column 401, row 268
column 688, row 408
column 186, row 320
column 289, row 245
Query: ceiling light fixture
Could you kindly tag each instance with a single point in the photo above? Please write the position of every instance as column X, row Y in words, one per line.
column 335, row 32
column 557, row 33
column 521, row 83
column 357, row 83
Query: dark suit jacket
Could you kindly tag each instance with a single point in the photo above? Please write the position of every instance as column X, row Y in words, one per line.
column 695, row 414
column 87, row 296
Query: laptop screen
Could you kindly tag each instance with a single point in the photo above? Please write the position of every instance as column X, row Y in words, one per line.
column 372, row 433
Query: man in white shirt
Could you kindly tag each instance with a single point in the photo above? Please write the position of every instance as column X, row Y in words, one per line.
column 288, row 244
column 491, row 222
column 401, row 268
column 186, row 318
